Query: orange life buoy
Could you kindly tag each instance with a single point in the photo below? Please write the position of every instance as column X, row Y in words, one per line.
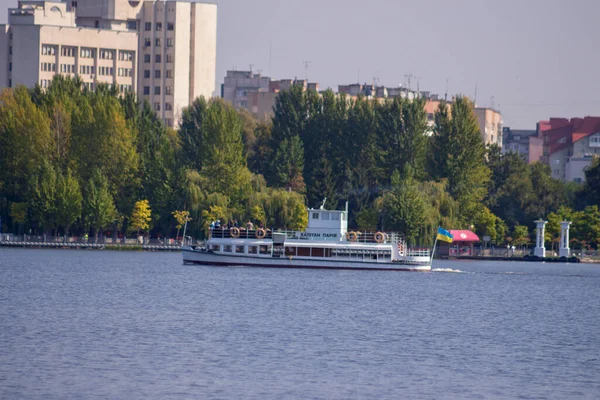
column 379, row 237
column 352, row 236
column 260, row 233
column 234, row 232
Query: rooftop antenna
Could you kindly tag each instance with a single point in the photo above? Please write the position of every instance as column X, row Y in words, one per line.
column 446, row 94
column 251, row 66
column 306, row 64
column 492, row 102
column 475, row 97
column 376, row 81
column 418, row 78
column 408, row 77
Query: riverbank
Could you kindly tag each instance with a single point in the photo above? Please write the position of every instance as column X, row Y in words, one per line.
column 570, row 260
column 92, row 246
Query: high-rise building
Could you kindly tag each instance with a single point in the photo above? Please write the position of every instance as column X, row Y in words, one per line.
column 165, row 51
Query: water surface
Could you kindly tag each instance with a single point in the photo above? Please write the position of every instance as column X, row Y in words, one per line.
column 92, row 324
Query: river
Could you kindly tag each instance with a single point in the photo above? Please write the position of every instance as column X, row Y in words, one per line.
column 128, row 325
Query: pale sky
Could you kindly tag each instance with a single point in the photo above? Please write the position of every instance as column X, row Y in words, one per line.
column 537, row 58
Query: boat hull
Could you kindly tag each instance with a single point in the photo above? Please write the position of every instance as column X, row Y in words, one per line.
column 193, row 256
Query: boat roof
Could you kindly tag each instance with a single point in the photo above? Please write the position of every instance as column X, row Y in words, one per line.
column 330, row 244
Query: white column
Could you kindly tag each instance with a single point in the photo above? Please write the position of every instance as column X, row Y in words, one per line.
column 564, row 250
column 540, row 249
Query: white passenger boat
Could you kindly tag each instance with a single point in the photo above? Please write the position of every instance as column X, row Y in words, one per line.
column 326, row 243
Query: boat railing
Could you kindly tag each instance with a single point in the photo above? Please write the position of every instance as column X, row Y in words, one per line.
column 375, row 237
column 418, row 252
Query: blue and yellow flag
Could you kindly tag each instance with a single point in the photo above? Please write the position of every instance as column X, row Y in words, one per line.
column 444, row 235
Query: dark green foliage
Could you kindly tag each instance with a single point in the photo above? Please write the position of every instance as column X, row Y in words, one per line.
column 72, row 159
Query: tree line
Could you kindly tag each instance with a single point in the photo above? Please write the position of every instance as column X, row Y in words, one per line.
column 78, row 161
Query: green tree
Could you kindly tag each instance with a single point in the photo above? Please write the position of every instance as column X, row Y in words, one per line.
column 18, row 212
column 459, row 155
column 25, row 143
column 98, row 206
column 68, row 201
column 43, row 199
column 403, row 207
column 521, row 235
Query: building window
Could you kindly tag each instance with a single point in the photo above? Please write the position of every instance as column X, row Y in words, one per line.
column 169, row 74
column 10, row 66
column 562, row 140
column 132, row 25
column 106, row 54
column 157, row 42
column 156, row 106
column 10, row 83
column 168, row 90
column 10, row 50
column 157, row 90
column 148, row 26
column 125, row 72
column 157, row 74
column 168, row 107
column 146, row 58
column 157, row 58
column 47, row 50
column 159, row 26
column 146, row 73
column 146, row 90
column 170, row 26
column 169, row 42
column 68, row 51
column 147, row 42
column 126, row 55
column 169, row 58
column 67, row 68
column 87, row 53
column 169, row 122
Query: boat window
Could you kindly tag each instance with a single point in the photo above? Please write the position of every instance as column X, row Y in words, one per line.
column 227, row 248
column 215, row 247
column 290, row 251
column 252, row 250
column 325, row 216
column 265, row 249
column 303, row 251
column 239, row 249
column 317, row 252
column 335, row 216
column 315, row 215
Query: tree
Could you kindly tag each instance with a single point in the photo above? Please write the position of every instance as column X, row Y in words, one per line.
column 591, row 192
column 403, row 207
column 25, row 143
column 141, row 216
column 521, row 235
column 68, row 201
column 18, row 212
column 43, row 199
column 459, row 155
column 289, row 163
column 182, row 217
column 98, row 206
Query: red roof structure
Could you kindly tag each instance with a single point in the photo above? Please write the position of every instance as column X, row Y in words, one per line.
column 464, row 236
column 560, row 133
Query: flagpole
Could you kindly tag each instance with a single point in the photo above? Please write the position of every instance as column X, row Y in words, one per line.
column 434, row 244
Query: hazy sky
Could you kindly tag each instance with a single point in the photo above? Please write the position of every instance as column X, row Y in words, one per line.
column 537, row 58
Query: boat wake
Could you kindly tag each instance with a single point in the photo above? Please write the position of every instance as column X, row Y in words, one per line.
column 447, row 270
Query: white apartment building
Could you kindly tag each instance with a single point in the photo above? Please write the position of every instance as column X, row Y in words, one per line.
column 165, row 51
